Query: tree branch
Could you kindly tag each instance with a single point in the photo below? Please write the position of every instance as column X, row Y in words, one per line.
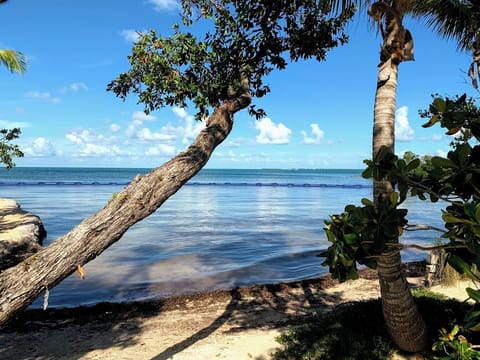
column 416, row 227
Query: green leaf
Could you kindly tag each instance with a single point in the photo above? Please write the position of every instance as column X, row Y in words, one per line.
column 461, row 266
column 412, row 165
column 440, row 162
column 455, row 330
column 367, row 173
column 350, row 238
column 367, row 202
column 449, row 218
column 469, row 210
column 394, row 198
column 439, row 105
column 473, row 294
column 472, row 316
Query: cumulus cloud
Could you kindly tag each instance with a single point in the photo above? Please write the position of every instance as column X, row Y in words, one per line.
column 115, row 128
column 131, row 35
column 83, row 136
column 96, row 150
column 43, row 96
column 271, row 133
column 160, row 149
column 77, row 86
column 147, row 135
column 5, row 124
column 403, row 130
column 160, row 5
column 136, row 129
column 317, row 135
column 141, row 116
column 40, row 147
column 189, row 127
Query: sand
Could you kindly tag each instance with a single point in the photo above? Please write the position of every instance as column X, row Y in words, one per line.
column 237, row 324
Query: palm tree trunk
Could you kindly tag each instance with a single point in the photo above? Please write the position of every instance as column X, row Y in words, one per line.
column 22, row 284
column 404, row 322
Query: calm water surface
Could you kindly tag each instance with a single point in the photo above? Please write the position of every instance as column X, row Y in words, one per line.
column 225, row 228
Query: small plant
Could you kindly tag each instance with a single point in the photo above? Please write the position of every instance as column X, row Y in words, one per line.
column 118, row 196
column 454, row 345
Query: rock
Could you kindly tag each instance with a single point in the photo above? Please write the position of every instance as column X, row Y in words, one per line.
column 21, row 233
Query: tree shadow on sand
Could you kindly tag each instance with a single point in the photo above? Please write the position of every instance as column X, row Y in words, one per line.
column 72, row 333
column 175, row 324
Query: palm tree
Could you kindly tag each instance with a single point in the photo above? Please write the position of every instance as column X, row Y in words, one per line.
column 402, row 318
column 458, row 20
column 404, row 322
column 14, row 61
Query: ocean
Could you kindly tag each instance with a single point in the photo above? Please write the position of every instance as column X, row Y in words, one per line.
column 223, row 229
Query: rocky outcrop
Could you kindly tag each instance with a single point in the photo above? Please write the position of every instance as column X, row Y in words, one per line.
column 21, row 233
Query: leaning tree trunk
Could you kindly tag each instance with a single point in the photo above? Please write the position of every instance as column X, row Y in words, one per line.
column 404, row 322
column 22, row 284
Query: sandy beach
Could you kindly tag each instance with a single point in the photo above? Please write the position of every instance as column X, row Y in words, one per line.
column 237, row 324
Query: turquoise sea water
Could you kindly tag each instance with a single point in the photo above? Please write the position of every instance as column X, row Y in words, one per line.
column 225, row 228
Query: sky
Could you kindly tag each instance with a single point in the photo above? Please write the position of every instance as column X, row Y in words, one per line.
column 319, row 114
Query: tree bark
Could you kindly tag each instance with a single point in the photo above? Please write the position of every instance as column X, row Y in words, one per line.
column 404, row 322
column 22, row 284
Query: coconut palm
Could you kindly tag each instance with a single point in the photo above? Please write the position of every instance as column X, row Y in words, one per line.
column 402, row 318
column 458, row 20
column 14, row 61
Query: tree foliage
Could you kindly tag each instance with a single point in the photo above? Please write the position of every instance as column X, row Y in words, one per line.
column 247, row 40
column 454, row 179
column 7, row 150
column 454, row 19
column 13, row 60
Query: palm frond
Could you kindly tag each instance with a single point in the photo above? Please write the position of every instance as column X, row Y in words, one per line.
column 14, row 61
column 453, row 19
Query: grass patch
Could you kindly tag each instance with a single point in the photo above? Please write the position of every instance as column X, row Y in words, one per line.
column 356, row 330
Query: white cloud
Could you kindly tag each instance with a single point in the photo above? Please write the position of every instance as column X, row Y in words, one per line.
column 44, row 96
column 115, row 128
column 317, row 135
column 160, row 149
column 441, row 153
column 403, row 131
column 270, row 133
column 4, row 124
column 95, row 150
column 147, row 135
column 141, row 116
column 77, row 86
column 136, row 129
column 40, row 147
column 160, row 5
column 131, row 35
column 437, row 137
column 83, row 136
column 189, row 127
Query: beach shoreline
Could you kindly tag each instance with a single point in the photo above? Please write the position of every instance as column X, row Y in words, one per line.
column 231, row 324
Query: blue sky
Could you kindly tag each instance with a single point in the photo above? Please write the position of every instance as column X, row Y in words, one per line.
column 319, row 114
